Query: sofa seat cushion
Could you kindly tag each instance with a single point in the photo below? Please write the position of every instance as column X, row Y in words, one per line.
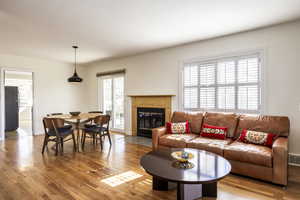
column 249, row 153
column 176, row 140
column 209, row 144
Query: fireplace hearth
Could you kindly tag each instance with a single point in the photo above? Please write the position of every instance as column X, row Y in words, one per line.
column 149, row 118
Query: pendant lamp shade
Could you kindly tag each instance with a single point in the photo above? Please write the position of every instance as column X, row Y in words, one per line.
column 75, row 77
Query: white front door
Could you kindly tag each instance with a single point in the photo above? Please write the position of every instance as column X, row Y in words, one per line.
column 112, row 100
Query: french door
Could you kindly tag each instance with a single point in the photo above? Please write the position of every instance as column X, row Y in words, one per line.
column 112, row 100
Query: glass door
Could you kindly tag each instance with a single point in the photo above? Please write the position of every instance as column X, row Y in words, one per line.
column 113, row 100
column 118, row 102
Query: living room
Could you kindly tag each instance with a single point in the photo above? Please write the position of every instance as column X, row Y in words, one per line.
column 173, row 56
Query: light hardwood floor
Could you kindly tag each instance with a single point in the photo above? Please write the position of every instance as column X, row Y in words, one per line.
column 26, row 174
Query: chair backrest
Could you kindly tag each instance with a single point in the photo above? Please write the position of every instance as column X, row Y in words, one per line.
column 53, row 114
column 102, row 120
column 51, row 124
column 96, row 112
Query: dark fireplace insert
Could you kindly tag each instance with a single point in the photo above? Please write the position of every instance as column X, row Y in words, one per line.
column 149, row 118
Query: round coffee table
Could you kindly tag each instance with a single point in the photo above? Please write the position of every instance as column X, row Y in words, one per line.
column 199, row 181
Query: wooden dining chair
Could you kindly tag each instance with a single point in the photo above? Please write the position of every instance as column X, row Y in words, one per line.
column 54, row 114
column 99, row 130
column 92, row 122
column 55, row 131
column 96, row 112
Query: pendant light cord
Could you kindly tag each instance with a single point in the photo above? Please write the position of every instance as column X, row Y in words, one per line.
column 75, row 48
column 75, row 59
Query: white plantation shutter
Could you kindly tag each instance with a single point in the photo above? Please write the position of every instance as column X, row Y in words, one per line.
column 226, row 72
column 207, row 93
column 207, row 98
column 228, row 84
column 191, row 98
column 248, row 97
column 226, row 98
column 207, row 74
column 191, row 76
column 248, row 70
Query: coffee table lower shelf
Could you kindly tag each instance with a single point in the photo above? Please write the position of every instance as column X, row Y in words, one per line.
column 186, row 191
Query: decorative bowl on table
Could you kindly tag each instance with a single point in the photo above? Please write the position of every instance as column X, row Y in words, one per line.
column 75, row 113
column 182, row 159
column 182, row 156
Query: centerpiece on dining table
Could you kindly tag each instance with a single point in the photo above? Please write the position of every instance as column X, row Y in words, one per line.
column 74, row 114
column 182, row 159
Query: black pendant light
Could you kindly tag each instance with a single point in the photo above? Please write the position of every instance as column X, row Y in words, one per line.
column 75, row 77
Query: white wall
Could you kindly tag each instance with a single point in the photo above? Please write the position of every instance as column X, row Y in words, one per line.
column 52, row 92
column 158, row 71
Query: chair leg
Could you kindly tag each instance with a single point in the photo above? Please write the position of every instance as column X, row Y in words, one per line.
column 94, row 138
column 74, row 141
column 78, row 138
column 101, row 144
column 62, row 145
column 108, row 135
column 56, row 146
column 83, row 139
column 45, row 143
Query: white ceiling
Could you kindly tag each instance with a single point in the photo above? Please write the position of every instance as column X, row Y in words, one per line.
column 112, row 28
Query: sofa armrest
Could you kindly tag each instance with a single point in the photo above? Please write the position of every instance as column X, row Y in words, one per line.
column 280, row 160
column 156, row 133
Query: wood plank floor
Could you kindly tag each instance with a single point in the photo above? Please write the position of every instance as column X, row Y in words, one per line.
column 26, row 174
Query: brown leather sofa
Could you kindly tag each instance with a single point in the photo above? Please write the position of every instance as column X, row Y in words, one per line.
column 269, row 164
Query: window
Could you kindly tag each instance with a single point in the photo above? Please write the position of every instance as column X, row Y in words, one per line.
column 229, row 84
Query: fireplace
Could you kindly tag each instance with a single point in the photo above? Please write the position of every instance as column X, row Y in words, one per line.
column 162, row 102
column 149, row 118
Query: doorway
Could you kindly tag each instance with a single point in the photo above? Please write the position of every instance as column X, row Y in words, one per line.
column 18, row 103
column 112, row 100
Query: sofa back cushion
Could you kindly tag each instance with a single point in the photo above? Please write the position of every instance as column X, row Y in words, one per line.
column 279, row 125
column 194, row 118
column 228, row 120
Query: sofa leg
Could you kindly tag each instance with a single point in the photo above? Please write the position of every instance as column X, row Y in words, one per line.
column 284, row 187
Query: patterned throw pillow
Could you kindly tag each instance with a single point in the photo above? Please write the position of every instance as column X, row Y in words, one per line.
column 255, row 137
column 214, row 132
column 178, row 128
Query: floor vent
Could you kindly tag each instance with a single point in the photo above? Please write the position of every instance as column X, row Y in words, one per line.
column 294, row 159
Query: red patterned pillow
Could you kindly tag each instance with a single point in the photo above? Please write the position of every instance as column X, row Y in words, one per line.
column 179, row 128
column 255, row 137
column 214, row 132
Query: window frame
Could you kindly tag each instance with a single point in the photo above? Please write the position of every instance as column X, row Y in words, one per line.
column 226, row 57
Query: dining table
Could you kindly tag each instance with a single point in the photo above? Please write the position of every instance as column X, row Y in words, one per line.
column 77, row 122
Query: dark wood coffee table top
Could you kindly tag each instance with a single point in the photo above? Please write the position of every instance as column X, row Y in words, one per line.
column 209, row 167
